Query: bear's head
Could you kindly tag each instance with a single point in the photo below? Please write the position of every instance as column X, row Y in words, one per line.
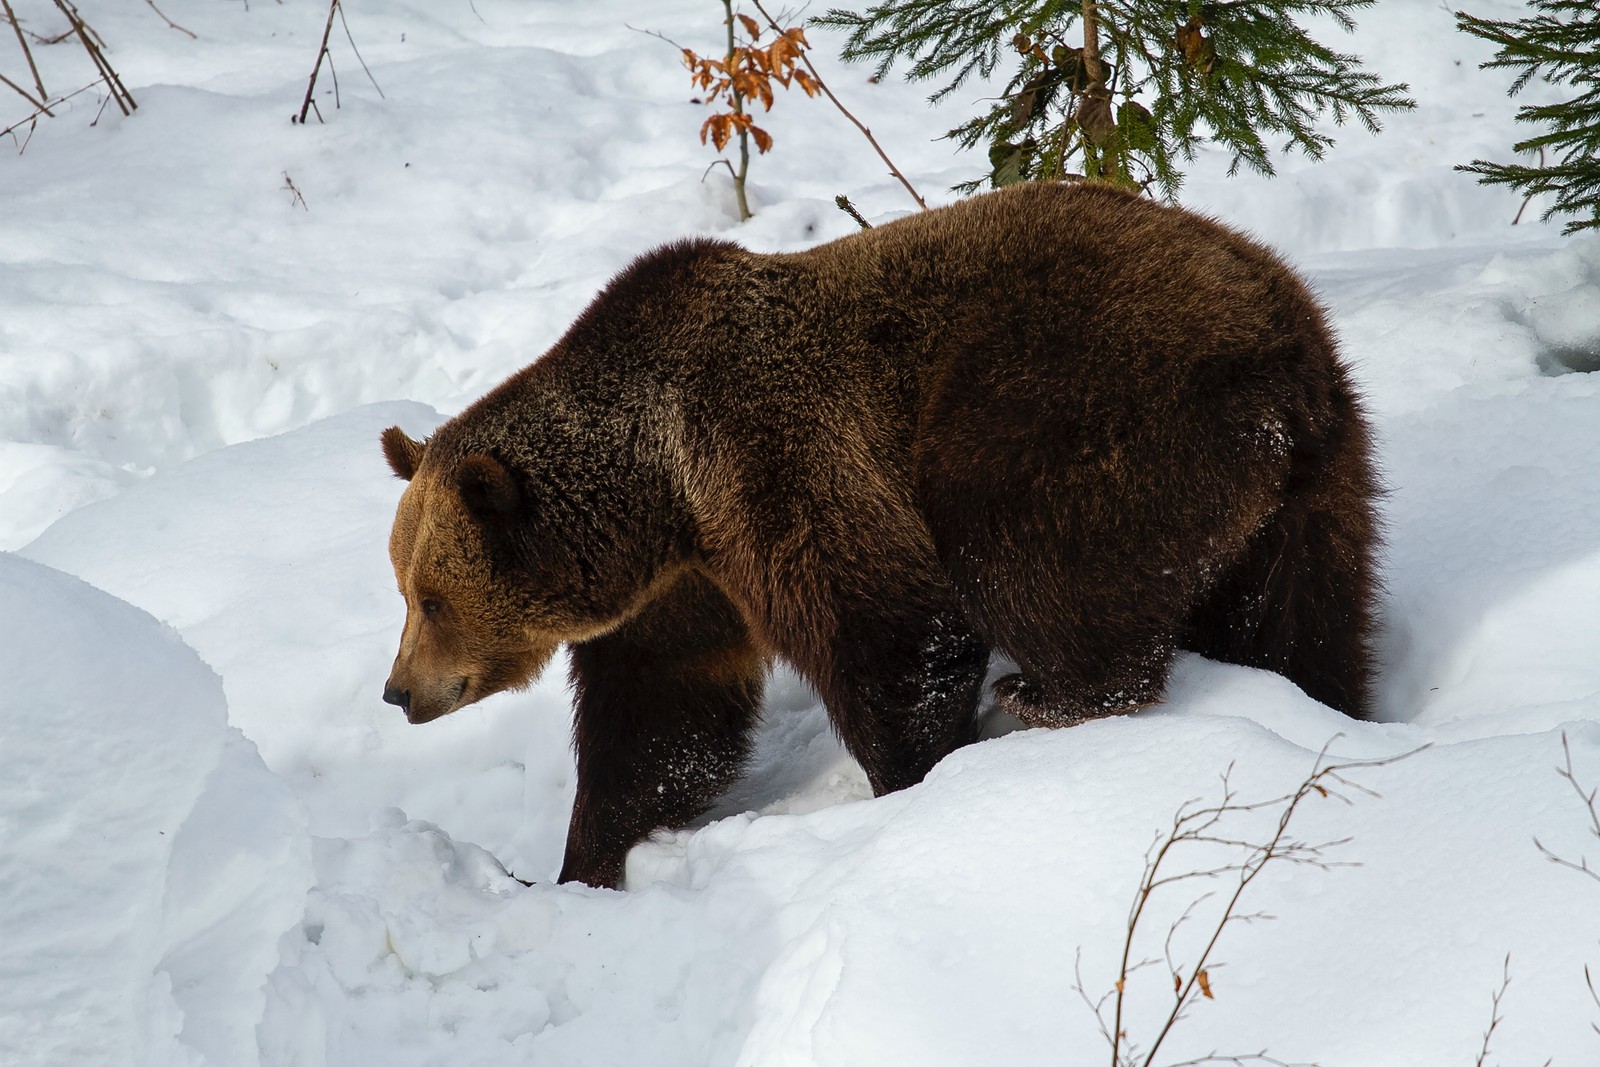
column 489, row 594
column 464, row 636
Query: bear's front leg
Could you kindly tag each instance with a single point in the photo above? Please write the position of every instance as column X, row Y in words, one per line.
column 663, row 713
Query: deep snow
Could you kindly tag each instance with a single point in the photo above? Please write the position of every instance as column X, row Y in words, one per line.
column 233, row 852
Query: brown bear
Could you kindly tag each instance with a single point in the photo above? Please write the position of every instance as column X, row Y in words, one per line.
column 1058, row 422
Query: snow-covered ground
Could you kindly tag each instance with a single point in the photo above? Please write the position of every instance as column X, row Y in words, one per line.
column 217, row 846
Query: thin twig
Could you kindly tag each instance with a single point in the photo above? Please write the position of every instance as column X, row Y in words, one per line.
column 27, row 54
column 1589, row 802
column 333, row 72
column 100, row 42
column 357, row 51
column 1194, row 823
column 1529, row 198
column 33, row 118
column 39, row 105
column 1083, row 992
column 1588, row 980
column 1495, row 1018
column 1239, row 1060
column 288, row 183
column 22, row 146
column 181, row 29
column 92, row 43
column 850, row 209
column 656, row 33
column 876, row 147
column 100, row 112
column 713, row 166
column 322, row 50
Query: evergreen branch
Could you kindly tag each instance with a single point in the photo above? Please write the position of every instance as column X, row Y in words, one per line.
column 1560, row 45
column 937, row 35
column 1235, row 72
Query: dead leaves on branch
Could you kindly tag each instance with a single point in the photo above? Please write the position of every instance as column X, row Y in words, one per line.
column 748, row 72
column 1199, row 50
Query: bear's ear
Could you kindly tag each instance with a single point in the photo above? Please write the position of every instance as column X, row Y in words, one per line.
column 487, row 487
column 404, row 454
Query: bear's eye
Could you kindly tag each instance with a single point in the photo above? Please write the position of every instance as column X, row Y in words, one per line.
column 431, row 606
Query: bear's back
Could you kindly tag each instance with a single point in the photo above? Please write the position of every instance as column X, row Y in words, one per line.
column 1115, row 275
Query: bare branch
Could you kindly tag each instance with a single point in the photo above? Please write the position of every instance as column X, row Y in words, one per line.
column 1588, row 980
column 876, row 147
column 1240, row 1060
column 1565, row 771
column 93, row 44
column 848, row 208
column 288, row 183
column 27, row 53
column 192, row 35
column 1196, row 823
column 33, row 118
column 1495, row 1017
column 322, row 51
column 357, row 51
column 656, row 34
column 38, row 105
column 1588, row 798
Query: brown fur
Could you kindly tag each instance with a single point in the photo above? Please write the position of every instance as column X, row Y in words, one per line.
column 1060, row 422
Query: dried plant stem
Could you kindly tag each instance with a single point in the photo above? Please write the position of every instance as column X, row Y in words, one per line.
column 1194, row 824
column 92, row 44
column 181, row 29
column 309, row 104
column 1525, row 202
column 39, row 105
column 873, row 141
column 1594, row 995
column 28, row 55
column 737, row 97
column 1495, row 1018
column 1588, row 797
column 351, row 38
column 322, row 50
column 848, row 208
column 33, row 118
column 288, row 183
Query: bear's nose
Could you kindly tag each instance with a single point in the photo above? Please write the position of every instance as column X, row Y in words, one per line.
column 400, row 698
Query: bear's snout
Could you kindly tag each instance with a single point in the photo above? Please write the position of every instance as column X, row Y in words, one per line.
column 427, row 701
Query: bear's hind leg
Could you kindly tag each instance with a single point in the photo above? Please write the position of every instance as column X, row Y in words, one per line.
column 663, row 713
column 903, row 685
column 1058, row 694
column 1301, row 598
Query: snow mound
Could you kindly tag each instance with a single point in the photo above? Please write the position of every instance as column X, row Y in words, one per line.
column 932, row 926
column 269, row 558
column 150, row 860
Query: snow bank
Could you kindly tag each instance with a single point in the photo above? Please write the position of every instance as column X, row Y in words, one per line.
column 269, row 558
column 949, row 923
column 149, row 859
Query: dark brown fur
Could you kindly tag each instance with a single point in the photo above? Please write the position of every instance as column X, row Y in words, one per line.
column 1059, row 422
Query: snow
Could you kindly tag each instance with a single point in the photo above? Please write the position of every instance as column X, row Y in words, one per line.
column 217, row 845
column 151, row 860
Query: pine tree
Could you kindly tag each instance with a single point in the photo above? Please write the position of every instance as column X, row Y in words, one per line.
column 1150, row 81
column 1561, row 45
